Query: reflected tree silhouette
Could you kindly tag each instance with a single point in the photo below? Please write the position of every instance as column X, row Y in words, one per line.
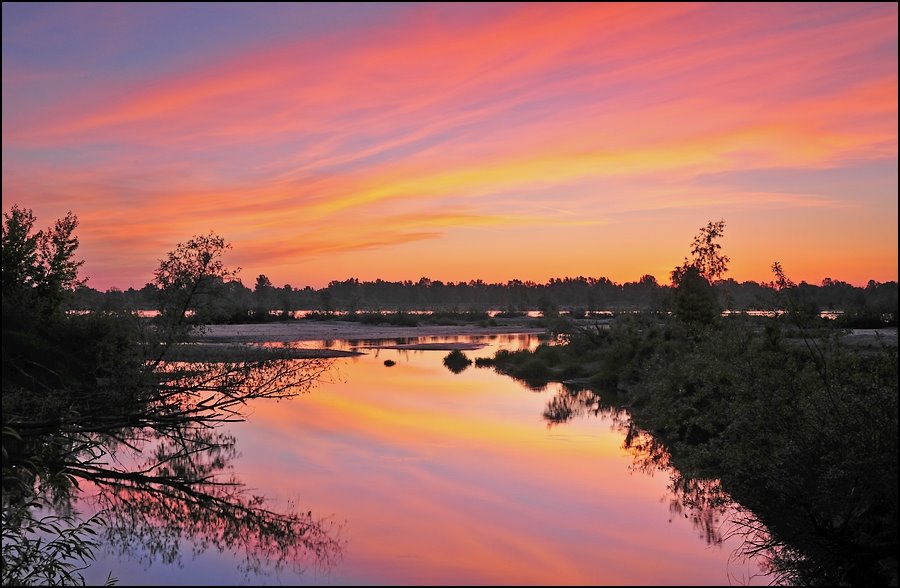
column 703, row 502
column 164, row 474
column 572, row 401
column 184, row 493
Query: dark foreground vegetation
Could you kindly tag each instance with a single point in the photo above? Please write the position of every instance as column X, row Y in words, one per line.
column 106, row 401
column 773, row 413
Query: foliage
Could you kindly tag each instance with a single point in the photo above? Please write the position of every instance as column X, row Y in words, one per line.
column 81, row 391
column 609, row 357
column 49, row 551
column 189, row 279
column 695, row 299
column 804, row 436
column 39, row 269
column 706, row 252
column 801, row 432
column 456, row 361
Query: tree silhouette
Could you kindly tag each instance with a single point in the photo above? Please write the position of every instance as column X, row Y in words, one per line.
column 694, row 298
column 40, row 266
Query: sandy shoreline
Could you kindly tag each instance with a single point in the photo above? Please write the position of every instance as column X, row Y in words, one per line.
column 364, row 337
column 346, row 331
column 428, row 346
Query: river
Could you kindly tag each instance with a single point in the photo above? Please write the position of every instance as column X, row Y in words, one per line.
column 426, row 476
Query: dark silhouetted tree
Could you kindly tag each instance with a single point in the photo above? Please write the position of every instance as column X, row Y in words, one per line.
column 694, row 297
column 39, row 266
column 188, row 279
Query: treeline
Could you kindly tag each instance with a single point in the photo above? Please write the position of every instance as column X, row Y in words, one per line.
column 874, row 305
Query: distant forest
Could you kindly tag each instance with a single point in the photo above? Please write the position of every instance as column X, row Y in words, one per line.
column 874, row 305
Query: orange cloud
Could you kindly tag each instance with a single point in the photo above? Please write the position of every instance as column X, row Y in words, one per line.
column 340, row 143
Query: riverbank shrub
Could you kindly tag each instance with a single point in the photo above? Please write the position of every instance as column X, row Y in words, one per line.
column 456, row 361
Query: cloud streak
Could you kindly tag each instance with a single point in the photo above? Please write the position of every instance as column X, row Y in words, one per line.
column 439, row 120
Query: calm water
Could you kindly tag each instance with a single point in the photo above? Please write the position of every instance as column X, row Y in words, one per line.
column 432, row 477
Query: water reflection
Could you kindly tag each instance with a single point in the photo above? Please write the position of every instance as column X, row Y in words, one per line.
column 509, row 341
column 572, row 401
column 705, row 503
column 450, row 478
column 161, row 474
column 453, row 479
column 186, row 490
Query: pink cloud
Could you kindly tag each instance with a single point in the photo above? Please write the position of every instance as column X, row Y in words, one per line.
column 439, row 113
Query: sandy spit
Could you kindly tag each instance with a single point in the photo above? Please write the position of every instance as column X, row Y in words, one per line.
column 343, row 330
column 430, row 346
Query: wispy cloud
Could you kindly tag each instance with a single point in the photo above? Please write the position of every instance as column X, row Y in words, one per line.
column 438, row 120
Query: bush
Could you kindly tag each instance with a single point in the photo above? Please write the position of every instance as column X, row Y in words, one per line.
column 456, row 361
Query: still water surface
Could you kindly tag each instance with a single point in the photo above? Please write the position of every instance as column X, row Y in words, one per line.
column 433, row 477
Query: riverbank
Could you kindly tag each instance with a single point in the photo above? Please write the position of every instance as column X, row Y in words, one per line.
column 349, row 331
column 231, row 339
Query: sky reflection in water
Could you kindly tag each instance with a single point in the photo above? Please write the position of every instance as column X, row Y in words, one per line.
column 442, row 478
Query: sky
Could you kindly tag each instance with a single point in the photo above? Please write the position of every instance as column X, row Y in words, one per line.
column 458, row 141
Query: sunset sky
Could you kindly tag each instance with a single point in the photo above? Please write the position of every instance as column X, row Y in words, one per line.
column 458, row 141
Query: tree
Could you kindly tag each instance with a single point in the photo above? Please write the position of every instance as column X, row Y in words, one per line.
column 263, row 284
column 695, row 299
column 286, row 299
column 42, row 265
column 189, row 278
column 20, row 249
column 264, row 296
column 707, row 256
